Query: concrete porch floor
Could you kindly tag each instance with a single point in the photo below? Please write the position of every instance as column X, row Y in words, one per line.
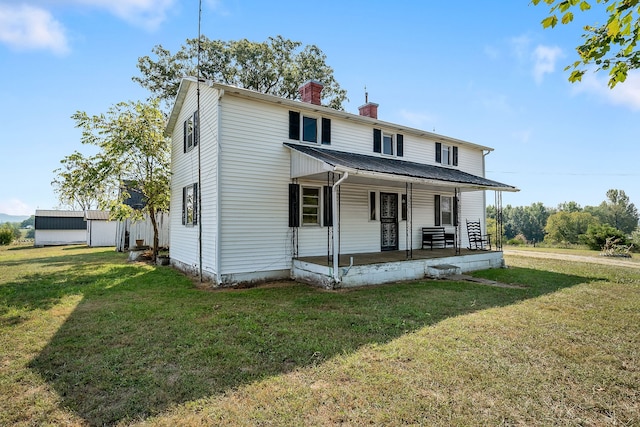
column 388, row 256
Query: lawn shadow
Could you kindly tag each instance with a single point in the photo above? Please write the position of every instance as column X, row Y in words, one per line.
column 133, row 350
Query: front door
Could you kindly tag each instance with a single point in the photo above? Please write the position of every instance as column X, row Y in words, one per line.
column 389, row 221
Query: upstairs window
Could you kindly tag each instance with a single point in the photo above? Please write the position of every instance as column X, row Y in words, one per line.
column 309, row 129
column 446, row 154
column 388, row 143
column 190, row 132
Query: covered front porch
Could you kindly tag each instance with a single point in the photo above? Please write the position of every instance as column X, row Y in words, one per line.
column 373, row 212
column 361, row 269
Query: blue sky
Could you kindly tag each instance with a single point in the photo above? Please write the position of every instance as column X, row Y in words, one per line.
column 485, row 72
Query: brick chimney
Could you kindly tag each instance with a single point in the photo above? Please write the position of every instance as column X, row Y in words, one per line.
column 370, row 109
column 310, row 92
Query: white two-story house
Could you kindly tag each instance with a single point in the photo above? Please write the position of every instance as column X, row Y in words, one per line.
column 266, row 188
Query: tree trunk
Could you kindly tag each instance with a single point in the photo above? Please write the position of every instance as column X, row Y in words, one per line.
column 156, row 239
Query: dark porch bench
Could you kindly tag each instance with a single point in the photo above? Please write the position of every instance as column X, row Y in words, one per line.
column 435, row 236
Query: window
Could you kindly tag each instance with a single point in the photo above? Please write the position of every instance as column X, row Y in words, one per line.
column 387, row 143
column 190, row 132
column 305, row 128
column 309, row 129
column 190, row 204
column 310, row 205
column 445, row 210
column 446, row 154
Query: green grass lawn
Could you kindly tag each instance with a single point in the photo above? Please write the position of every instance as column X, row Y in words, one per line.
column 89, row 339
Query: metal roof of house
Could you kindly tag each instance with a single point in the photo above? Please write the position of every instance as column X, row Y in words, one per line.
column 97, row 215
column 394, row 169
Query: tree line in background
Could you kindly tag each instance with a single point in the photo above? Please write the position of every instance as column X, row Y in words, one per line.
column 615, row 220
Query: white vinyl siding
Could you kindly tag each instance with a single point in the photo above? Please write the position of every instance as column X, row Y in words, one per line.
column 246, row 136
column 184, row 166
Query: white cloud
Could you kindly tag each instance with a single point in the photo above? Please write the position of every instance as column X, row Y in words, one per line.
column 625, row 94
column 148, row 14
column 520, row 46
column 27, row 27
column 15, row 207
column 544, row 61
column 417, row 119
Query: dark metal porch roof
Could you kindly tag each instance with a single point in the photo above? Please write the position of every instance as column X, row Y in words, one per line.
column 394, row 168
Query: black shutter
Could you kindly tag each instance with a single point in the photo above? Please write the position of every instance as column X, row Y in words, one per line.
column 196, row 200
column 436, row 210
column 184, row 205
column 294, row 125
column 455, row 211
column 184, row 137
column 328, row 206
column 400, row 145
column 377, row 141
column 326, row 131
column 455, row 156
column 196, row 128
column 294, row 205
column 438, row 152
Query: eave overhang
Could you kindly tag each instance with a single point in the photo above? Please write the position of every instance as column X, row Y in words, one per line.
column 312, row 162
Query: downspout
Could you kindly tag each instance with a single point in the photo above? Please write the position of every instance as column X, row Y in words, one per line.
column 336, row 231
column 218, row 193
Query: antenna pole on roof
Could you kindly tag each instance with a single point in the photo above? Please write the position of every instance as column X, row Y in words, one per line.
column 366, row 95
column 197, row 125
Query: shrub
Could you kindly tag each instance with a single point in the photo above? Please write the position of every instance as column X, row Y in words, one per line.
column 597, row 235
column 6, row 236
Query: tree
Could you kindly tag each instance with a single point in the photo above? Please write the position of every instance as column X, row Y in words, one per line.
column 133, row 147
column 611, row 46
column 617, row 211
column 566, row 227
column 276, row 66
column 526, row 220
column 31, row 221
column 8, row 233
column 597, row 235
column 569, row 207
column 84, row 183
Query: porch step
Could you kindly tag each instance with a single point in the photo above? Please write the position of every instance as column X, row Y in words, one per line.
column 442, row 270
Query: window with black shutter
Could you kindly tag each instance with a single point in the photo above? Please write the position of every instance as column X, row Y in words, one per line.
column 327, row 217
column 294, row 125
column 400, row 145
column 294, row 205
column 377, row 141
column 326, row 131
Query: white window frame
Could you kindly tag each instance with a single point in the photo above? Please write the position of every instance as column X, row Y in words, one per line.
column 304, row 205
column 391, row 137
column 447, row 159
column 446, row 200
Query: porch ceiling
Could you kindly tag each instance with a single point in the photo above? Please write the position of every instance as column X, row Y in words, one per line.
column 315, row 162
